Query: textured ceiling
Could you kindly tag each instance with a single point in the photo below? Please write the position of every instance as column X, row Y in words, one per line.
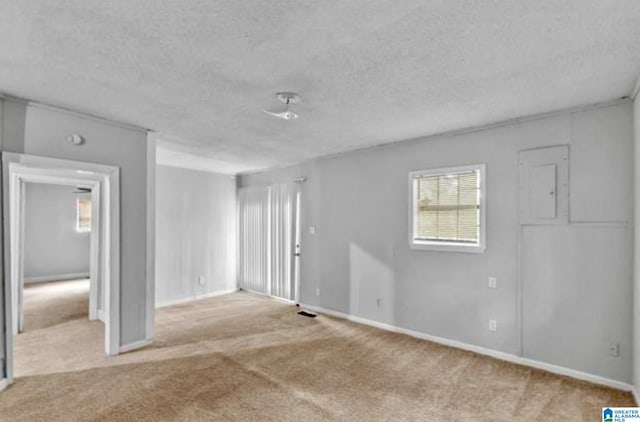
column 369, row 72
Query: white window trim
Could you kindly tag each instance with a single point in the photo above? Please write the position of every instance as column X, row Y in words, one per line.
column 480, row 247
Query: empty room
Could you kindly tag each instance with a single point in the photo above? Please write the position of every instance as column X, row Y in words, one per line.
column 319, row 211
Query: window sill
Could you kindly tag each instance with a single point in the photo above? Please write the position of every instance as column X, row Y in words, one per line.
column 447, row 247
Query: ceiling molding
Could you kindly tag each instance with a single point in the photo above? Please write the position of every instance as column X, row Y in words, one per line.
column 63, row 110
column 448, row 134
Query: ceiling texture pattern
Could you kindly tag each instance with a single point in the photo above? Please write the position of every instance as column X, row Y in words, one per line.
column 199, row 73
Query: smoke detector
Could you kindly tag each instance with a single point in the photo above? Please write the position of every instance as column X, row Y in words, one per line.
column 75, row 139
column 287, row 98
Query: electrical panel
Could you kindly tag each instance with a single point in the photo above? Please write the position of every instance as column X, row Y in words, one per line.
column 543, row 179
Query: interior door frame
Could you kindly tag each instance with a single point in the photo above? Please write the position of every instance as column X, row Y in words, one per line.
column 18, row 169
column 19, row 180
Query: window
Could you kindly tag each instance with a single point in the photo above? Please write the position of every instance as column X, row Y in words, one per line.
column 447, row 209
column 83, row 215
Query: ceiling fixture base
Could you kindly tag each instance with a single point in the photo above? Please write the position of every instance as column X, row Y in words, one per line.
column 288, row 97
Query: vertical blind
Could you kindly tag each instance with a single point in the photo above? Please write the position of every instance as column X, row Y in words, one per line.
column 448, row 207
column 254, row 224
column 268, row 236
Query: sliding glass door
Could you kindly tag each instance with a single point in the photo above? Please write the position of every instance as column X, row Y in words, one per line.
column 269, row 239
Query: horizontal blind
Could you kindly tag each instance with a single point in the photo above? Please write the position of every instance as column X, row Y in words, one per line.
column 449, row 207
column 83, row 217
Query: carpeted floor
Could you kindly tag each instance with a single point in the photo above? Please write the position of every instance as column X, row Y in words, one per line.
column 246, row 358
column 54, row 303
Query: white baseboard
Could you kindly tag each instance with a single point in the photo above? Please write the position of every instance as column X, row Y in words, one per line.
column 279, row 299
column 508, row 357
column 193, row 298
column 55, row 277
column 3, row 384
column 135, row 345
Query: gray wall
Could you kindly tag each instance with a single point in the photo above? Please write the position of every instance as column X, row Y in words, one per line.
column 195, row 233
column 359, row 204
column 636, row 260
column 42, row 131
column 53, row 247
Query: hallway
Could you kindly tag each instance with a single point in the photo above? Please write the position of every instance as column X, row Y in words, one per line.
column 56, row 327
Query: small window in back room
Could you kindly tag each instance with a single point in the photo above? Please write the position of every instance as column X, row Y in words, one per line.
column 447, row 209
column 83, row 214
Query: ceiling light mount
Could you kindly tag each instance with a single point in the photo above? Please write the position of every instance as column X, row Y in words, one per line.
column 287, row 98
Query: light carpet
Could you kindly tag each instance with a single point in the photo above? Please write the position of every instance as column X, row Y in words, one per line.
column 241, row 357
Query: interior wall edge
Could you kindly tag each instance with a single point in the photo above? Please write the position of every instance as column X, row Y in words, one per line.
column 636, row 253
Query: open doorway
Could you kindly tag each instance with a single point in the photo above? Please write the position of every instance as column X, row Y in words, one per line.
column 57, row 248
column 59, row 293
column 97, row 210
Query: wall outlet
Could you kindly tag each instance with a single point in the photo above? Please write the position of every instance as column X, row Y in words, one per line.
column 379, row 303
column 201, row 280
column 493, row 325
column 614, row 349
column 493, row 283
column 318, row 291
column 312, row 230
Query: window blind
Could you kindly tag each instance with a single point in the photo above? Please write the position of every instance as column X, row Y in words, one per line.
column 83, row 214
column 448, row 207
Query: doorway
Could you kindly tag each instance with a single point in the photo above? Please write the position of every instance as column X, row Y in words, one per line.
column 269, row 239
column 60, row 248
column 103, row 184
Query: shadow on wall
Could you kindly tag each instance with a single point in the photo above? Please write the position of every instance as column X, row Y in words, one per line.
column 371, row 286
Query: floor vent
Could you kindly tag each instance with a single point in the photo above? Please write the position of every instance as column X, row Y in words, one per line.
column 307, row 314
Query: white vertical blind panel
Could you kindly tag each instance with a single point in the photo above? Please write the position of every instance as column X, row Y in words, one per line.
column 283, row 204
column 268, row 226
column 253, row 209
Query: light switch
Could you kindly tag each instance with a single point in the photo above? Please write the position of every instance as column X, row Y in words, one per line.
column 312, row 230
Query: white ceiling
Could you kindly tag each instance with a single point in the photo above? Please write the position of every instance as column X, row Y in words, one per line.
column 369, row 72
